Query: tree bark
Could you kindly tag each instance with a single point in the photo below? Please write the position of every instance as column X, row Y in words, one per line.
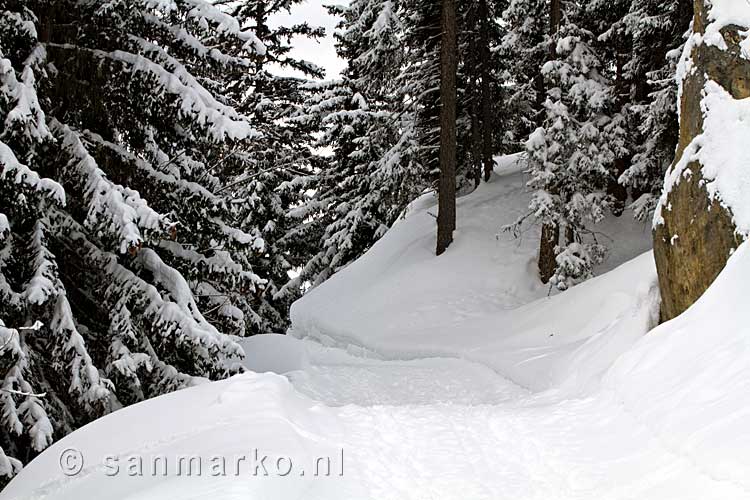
column 476, row 144
column 616, row 190
column 472, row 62
column 547, row 262
column 550, row 231
column 487, row 104
column 555, row 17
column 697, row 236
column 446, row 221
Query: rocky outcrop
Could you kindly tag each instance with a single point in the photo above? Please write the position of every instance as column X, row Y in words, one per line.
column 695, row 233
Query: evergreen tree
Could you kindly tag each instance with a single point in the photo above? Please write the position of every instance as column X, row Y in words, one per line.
column 267, row 167
column 116, row 234
column 527, row 44
column 381, row 122
column 573, row 154
column 371, row 170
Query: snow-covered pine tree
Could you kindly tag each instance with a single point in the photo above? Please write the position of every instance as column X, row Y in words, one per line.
column 529, row 43
column 370, row 171
column 614, row 46
column 573, row 153
column 526, row 45
column 120, row 259
column 419, row 82
column 266, row 168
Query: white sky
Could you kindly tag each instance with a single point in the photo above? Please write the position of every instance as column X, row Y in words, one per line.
column 322, row 53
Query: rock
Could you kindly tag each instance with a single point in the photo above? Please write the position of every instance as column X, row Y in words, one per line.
column 697, row 236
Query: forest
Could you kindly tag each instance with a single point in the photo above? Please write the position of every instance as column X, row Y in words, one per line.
column 180, row 190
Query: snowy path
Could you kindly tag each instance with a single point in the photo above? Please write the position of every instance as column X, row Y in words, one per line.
column 447, row 427
column 429, row 425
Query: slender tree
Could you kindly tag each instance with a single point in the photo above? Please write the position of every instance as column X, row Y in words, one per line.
column 267, row 168
column 487, row 101
column 446, row 221
column 550, row 229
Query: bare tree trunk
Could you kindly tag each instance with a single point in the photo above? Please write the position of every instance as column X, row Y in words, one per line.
column 476, row 144
column 487, row 104
column 616, row 190
column 550, row 231
column 555, row 17
column 448, row 68
column 472, row 63
column 547, row 262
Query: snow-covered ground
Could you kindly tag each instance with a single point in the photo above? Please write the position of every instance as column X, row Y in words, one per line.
column 418, row 377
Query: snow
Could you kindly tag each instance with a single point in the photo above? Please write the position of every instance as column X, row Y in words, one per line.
column 472, row 384
column 480, row 283
column 4, row 225
column 688, row 381
column 723, row 152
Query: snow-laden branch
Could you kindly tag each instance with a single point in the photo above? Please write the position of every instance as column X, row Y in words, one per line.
column 18, row 173
column 207, row 14
column 196, row 103
column 116, row 208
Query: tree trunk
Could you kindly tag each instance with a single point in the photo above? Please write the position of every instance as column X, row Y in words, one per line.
column 616, row 190
column 261, row 31
column 697, row 235
column 476, row 144
column 448, row 67
column 472, row 63
column 547, row 262
column 550, row 231
column 487, row 104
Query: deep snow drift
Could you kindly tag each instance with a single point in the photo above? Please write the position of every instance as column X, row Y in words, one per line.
column 455, row 377
column 475, row 301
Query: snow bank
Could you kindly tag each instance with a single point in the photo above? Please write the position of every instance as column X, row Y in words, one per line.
column 724, row 153
column 403, row 302
column 230, row 419
column 688, row 381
